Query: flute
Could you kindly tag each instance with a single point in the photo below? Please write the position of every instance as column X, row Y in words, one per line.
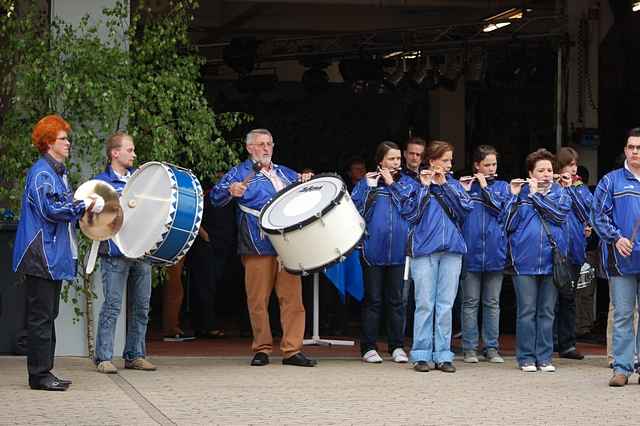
column 393, row 171
column 488, row 178
column 542, row 184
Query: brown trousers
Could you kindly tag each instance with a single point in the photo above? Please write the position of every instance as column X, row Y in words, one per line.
column 261, row 277
column 172, row 295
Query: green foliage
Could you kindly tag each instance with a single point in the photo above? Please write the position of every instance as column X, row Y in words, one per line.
column 137, row 74
column 169, row 116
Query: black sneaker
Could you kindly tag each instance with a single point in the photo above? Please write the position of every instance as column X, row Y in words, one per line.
column 446, row 367
column 179, row 337
column 421, row 366
column 572, row 354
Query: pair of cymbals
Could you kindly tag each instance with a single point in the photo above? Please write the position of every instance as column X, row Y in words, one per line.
column 107, row 223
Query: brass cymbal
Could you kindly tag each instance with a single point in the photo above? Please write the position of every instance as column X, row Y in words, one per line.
column 108, row 222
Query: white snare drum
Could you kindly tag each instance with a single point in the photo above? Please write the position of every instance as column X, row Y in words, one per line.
column 162, row 205
column 312, row 224
column 586, row 277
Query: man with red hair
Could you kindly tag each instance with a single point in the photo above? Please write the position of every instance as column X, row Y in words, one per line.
column 45, row 249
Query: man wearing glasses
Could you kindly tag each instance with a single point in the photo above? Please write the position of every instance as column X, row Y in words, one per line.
column 252, row 184
column 45, row 249
column 616, row 218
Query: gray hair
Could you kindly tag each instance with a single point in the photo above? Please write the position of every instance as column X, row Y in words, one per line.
column 248, row 140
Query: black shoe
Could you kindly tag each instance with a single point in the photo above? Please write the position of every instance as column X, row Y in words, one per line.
column 421, row 366
column 49, row 385
column 260, row 359
column 572, row 354
column 446, row 367
column 57, row 379
column 300, row 360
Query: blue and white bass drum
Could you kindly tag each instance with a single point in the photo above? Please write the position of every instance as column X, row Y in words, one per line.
column 162, row 205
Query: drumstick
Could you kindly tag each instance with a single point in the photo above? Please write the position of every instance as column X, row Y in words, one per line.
column 255, row 169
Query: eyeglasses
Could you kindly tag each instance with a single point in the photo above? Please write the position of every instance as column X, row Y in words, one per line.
column 66, row 138
column 264, row 144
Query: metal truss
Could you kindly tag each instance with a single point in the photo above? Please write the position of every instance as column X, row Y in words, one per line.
column 425, row 39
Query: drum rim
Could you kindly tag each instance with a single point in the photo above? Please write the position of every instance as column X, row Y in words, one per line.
column 328, row 265
column 309, row 220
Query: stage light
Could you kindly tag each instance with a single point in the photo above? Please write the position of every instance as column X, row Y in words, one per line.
column 503, row 19
column 636, row 6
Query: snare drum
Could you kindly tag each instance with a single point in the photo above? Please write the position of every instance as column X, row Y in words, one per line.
column 162, row 206
column 586, row 277
column 312, row 224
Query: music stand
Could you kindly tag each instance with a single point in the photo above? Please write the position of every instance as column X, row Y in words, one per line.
column 315, row 339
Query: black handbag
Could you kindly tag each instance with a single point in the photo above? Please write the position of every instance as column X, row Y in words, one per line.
column 562, row 272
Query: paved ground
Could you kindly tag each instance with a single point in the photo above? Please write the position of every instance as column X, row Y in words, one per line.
column 217, row 390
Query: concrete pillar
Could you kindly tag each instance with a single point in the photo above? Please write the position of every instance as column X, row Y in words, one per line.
column 72, row 335
column 584, row 77
column 447, row 120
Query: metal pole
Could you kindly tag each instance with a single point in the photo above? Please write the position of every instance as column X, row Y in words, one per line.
column 559, row 102
column 316, row 306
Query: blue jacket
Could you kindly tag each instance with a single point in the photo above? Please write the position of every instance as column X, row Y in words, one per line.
column 431, row 229
column 528, row 245
column 45, row 241
column 109, row 248
column 615, row 211
column 386, row 240
column 578, row 218
column 482, row 230
column 251, row 240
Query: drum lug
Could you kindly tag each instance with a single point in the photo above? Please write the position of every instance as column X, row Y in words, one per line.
column 319, row 216
column 284, row 235
column 304, row 273
column 341, row 258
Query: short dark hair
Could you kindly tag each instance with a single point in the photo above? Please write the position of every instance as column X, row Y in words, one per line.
column 481, row 152
column 633, row 133
column 539, row 155
column 436, row 149
column 383, row 148
column 565, row 156
column 415, row 140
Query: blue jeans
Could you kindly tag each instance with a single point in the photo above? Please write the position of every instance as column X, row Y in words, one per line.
column 436, row 283
column 624, row 292
column 536, row 302
column 382, row 283
column 118, row 274
column 489, row 284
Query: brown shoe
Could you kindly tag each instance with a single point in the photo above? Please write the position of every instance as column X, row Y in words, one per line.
column 139, row 364
column 618, row 380
column 106, row 367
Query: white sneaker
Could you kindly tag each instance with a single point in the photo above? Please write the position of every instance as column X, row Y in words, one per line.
column 372, row 357
column 399, row 355
column 529, row 368
column 547, row 368
column 471, row 357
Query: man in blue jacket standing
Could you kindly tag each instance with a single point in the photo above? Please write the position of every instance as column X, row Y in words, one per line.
column 615, row 216
column 252, row 190
column 119, row 274
column 45, row 249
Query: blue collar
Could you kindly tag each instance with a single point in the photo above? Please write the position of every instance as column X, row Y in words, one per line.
column 56, row 165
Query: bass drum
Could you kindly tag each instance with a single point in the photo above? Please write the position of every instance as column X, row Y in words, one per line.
column 312, row 224
column 162, row 206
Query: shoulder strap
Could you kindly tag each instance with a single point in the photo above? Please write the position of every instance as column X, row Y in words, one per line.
column 546, row 229
column 446, row 209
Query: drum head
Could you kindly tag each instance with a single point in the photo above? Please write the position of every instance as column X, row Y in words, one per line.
column 302, row 203
column 145, row 201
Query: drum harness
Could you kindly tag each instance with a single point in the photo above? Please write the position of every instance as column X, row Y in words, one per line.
column 256, row 213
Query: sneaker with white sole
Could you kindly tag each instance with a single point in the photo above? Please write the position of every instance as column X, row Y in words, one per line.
column 547, row 368
column 106, row 367
column 471, row 357
column 399, row 356
column 372, row 356
column 493, row 356
column 530, row 368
